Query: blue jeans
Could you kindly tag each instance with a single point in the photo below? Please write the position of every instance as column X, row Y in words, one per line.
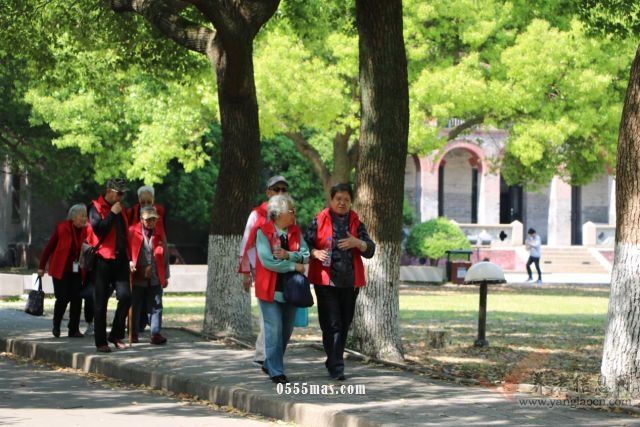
column 277, row 327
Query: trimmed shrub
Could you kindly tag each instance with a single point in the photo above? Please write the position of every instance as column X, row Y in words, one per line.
column 432, row 239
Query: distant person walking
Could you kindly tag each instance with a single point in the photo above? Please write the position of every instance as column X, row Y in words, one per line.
column 533, row 244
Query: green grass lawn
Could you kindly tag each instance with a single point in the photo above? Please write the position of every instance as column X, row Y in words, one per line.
column 546, row 335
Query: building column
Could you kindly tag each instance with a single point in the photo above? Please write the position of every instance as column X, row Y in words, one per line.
column 612, row 200
column 429, row 190
column 559, row 222
column 489, row 195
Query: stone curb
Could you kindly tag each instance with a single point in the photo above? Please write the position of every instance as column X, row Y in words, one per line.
column 307, row 414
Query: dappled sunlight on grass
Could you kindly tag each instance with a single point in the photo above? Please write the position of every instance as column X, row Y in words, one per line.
column 555, row 332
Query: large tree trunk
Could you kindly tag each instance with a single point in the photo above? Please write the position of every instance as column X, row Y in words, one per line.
column 228, row 307
column 380, row 181
column 621, row 356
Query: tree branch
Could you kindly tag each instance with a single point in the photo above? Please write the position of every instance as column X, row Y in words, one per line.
column 312, row 155
column 468, row 124
column 164, row 15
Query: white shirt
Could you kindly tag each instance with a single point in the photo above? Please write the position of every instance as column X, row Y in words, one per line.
column 534, row 244
column 251, row 253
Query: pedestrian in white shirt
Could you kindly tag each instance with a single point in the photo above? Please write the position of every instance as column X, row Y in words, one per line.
column 533, row 244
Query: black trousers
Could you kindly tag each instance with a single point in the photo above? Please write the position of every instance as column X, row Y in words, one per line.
column 67, row 292
column 89, row 310
column 335, row 312
column 110, row 275
column 536, row 261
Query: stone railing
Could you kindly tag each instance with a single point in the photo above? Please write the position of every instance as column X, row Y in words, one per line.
column 494, row 234
column 598, row 234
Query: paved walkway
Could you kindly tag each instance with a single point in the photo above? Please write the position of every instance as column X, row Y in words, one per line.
column 38, row 396
column 226, row 376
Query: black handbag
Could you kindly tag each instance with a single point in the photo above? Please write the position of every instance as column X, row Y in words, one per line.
column 35, row 302
column 297, row 289
column 88, row 255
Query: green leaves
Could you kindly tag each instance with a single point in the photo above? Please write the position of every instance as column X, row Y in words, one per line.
column 432, row 239
column 533, row 71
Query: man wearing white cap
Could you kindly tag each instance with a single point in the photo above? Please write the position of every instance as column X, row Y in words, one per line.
column 275, row 185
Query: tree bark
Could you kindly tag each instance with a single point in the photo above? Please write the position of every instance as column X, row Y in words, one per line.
column 620, row 360
column 228, row 307
column 230, row 50
column 380, row 181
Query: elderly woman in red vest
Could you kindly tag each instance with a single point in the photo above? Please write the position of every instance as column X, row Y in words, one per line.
column 339, row 241
column 146, row 198
column 150, row 267
column 63, row 253
column 281, row 250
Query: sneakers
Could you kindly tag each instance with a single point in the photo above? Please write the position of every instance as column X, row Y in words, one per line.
column 89, row 331
column 158, row 339
column 539, row 281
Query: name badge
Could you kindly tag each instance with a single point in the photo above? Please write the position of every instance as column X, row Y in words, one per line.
column 75, row 267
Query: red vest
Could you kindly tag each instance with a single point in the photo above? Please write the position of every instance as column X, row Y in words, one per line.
column 266, row 279
column 319, row 274
column 62, row 251
column 261, row 211
column 133, row 215
column 135, row 246
column 107, row 249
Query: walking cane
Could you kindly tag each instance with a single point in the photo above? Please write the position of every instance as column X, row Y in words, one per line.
column 130, row 323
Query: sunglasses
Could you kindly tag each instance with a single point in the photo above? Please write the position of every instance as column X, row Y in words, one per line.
column 279, row 189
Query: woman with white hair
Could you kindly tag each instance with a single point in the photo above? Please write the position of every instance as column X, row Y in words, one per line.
column 146, row 198
column 281, row 250
column 62, row 253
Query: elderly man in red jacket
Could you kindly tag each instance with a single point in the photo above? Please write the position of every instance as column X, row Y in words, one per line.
column 109, row 222
column 150, row 267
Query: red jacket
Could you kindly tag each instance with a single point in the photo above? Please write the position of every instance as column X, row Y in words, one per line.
column 63, row 248
column 107, row 249
column 266, row 279
column 133, row 215
column 136, row 239
column 261, row 212
column 319, row 274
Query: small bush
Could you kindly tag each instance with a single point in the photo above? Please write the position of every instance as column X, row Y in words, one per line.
column 432, row 239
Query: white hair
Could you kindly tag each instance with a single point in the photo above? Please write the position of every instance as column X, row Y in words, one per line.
column 146, row 189
column 75, row 209
column 279, row 205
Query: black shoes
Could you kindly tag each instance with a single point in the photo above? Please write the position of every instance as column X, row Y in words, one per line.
column 338, row 377
column 280, row 379
column 76, row 334
column 103, row 349
column 265, row 370
column 56, row 331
